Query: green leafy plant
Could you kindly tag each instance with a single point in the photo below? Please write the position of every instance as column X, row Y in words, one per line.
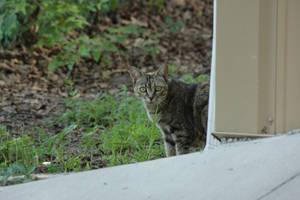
column 190, row 79
column 14, row 15
column 159, row 4
column 172, row 69
column 56, row 20
column 151, row 50
column 173, row 26
column 74, row 51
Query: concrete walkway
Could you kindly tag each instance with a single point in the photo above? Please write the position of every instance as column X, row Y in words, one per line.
column 266, row 169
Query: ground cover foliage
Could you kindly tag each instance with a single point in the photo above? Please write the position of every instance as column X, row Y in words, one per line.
column 66, row 100
column 94, row 134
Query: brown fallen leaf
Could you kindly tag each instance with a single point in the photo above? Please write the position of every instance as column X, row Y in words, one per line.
column 138, row 22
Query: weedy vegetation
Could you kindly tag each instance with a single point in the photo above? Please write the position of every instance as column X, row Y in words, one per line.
column 108, row 131
column 103, row 132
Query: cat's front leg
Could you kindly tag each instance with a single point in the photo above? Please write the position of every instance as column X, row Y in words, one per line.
column 169, row 146
column 168, row 140
column 182, row 145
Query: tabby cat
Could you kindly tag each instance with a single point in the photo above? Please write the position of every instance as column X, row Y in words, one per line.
column 180, row 109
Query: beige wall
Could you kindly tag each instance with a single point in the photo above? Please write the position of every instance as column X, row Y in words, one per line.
column 256, row 66
column 288, row 84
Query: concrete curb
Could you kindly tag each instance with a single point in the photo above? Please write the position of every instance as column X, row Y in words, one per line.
column 265, row 169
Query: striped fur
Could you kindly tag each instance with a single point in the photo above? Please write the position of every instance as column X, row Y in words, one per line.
column 181, row 109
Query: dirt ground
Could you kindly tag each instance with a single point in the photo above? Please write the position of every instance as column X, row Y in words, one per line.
column 31, row 97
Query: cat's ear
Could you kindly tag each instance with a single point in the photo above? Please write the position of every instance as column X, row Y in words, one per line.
column 163, row 71
column 134, row 73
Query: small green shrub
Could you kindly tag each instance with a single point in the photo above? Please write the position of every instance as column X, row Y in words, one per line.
column 14, row 15
column 92, row 48
column 55, row 19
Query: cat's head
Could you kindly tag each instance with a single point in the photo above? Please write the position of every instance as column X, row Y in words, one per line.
column 152, row 88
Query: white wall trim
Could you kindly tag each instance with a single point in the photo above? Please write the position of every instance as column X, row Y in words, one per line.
column 210, row 140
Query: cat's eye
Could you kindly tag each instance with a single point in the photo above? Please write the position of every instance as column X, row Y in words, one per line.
column 142, row 89
column 158, row 88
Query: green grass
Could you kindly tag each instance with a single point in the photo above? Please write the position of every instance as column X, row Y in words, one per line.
column 103, row 132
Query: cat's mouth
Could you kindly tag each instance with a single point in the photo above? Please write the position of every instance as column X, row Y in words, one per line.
column 150, row 101
column 153, row 100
